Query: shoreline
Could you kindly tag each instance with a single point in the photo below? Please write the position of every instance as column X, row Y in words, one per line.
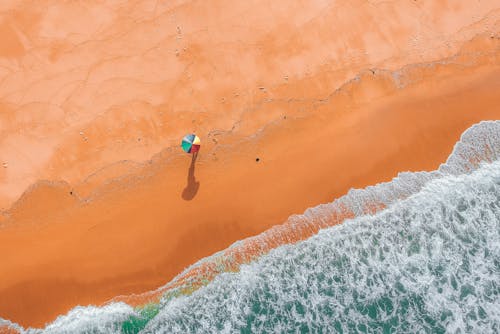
column 100, row 249
column 296, row 103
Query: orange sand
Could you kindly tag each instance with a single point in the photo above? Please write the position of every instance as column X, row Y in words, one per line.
column 252, row 81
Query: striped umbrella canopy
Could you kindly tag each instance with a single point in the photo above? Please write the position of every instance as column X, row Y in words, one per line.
column 191, row 143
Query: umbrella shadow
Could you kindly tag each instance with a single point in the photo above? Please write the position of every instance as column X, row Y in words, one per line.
column 192, row 185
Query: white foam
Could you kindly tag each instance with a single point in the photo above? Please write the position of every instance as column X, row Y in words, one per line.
column 432, row 257
column 364, row 247
column 479, row 143
column 90, row 319
column 9, row 324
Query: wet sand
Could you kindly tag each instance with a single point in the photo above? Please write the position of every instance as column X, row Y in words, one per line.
column 320, row 121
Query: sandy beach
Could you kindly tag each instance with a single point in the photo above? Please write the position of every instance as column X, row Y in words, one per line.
column 98, row 199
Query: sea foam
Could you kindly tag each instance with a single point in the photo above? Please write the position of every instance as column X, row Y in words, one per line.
column 419, row 253
column 430, row 263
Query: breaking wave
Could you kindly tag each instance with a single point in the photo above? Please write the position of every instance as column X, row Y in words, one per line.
column 418, row 254
column 429, row 263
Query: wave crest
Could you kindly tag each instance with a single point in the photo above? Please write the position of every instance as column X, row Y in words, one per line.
column 480, row 144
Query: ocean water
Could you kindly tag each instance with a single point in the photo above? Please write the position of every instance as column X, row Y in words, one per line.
column 420, row 254
column 430, row 263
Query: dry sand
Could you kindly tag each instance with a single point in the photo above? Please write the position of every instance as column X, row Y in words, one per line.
column 328, row 96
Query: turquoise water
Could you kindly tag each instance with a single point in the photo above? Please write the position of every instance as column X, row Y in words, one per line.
column 429, row 263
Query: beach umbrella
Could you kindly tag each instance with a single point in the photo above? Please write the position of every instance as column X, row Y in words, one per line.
column 191, row 143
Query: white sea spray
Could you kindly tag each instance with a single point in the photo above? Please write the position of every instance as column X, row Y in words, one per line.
column 430, row 263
